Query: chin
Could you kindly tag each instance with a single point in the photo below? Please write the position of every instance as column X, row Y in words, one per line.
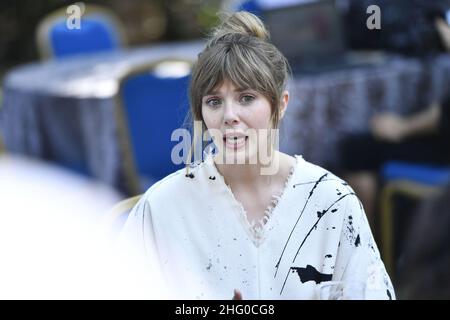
column 243, row 156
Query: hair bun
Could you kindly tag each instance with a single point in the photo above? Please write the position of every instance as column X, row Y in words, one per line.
column 241, row 22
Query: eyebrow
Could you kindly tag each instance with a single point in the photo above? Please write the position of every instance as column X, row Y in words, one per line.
column 218, row 92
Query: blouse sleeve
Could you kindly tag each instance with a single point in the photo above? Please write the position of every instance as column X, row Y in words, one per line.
column 358, row 259
column 137, row 233
column 136, row 245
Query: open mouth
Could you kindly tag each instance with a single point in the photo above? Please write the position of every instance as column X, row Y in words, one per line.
column 235, row 142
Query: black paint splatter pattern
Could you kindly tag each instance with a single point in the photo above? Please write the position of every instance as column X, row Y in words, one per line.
column 311, row 274
column 311, row 243
column 349, row 230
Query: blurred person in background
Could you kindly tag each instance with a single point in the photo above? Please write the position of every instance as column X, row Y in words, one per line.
column 422, row 137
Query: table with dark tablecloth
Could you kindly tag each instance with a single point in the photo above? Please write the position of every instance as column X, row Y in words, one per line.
column 64, row 110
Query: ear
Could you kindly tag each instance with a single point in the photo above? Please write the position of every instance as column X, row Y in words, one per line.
column 284, row 103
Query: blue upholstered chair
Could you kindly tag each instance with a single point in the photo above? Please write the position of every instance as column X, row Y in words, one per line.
column 152, row 104
column 415, row 181
column 2, row 147
column 424, row 174
column 99, row 30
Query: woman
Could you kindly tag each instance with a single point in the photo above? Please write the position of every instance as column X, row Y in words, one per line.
column 256, row 228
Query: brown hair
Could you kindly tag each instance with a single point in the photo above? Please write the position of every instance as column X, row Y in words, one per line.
column 239, row 50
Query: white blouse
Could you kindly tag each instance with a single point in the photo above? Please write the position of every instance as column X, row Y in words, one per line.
column 316, row 231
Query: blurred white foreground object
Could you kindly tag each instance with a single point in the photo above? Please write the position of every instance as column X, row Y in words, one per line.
column 51, row 246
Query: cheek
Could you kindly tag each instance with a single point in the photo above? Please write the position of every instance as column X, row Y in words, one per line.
column 261, row 118
column 212, row 119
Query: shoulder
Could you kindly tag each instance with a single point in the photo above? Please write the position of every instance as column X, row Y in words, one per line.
column 316, row 175
column 181, row 183
column 168, row 192
column 323, row 186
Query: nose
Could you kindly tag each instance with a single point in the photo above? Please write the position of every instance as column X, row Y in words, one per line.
column 230, row 117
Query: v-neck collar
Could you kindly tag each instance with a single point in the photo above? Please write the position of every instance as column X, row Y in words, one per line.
column 257, row 234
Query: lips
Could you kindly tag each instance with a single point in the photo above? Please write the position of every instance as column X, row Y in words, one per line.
column 235, row 140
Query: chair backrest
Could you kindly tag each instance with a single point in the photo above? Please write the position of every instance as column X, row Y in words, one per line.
column 2, row 147
column 99, row 30
column 153, row 106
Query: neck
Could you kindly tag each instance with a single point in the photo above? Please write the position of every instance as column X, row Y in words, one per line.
column 251, row 174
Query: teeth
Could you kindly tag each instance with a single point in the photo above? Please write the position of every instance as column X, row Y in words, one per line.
column 235, row 140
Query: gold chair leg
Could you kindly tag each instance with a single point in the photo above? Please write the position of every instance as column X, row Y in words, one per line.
column 400, row 187
column 387, row 229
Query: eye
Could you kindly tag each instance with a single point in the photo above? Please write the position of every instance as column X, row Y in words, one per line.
column 213, row 102
column 247, row 99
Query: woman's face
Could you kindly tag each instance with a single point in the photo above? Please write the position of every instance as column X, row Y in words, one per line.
column 238, row 120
